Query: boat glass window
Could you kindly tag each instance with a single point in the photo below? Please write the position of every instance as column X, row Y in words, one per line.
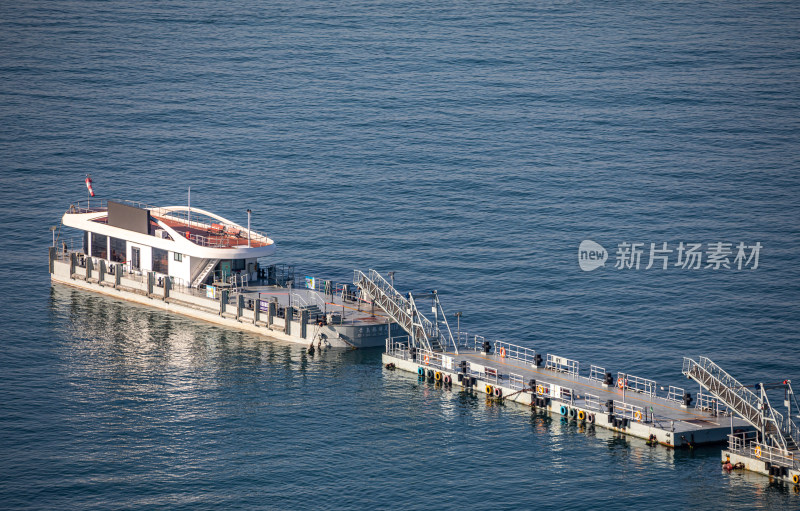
column 160, row 261
column 86, row 242
column 99, row 245
column 118, row 250
column 178, row 257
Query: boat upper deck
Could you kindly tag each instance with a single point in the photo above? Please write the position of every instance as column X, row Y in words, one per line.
column 175, row 223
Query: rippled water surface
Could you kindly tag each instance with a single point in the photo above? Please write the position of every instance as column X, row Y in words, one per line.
column 468, row 146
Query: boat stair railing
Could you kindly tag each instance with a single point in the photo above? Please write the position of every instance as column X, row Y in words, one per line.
column 298, row 300
column 510, row 351
column 206, row 267
column 400, row 309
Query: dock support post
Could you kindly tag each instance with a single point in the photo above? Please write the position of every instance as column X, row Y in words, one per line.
column 52, row 258
column 167, row 287
column 287, row 329
column 270, row 313
column 89, row 267
column 151, row 277
column 256, row 310
column 239, row 306
column 72, row 263
column 303, row 323
column 118, row 274
column 101, row 274
column 223, row 301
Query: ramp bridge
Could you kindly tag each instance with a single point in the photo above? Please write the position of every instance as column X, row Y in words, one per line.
column 423, row 333
column 778, row 434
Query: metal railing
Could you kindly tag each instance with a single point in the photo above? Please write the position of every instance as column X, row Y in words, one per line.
column 597, row 373
column 592, row 401
column 710, row 403
column 563, row 365
column 485, row 373
column 732, row 393
column 470, row 342
column 516, row 381
column 400, row 310
column 746, row 444
column 636, row 384
column 675, row 394
column 629, row 411
column 214, row 225
column 514, row 352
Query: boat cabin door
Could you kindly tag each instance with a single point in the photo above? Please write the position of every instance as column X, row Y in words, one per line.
column 225, row 269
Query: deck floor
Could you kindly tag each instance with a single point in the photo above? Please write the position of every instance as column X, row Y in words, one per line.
column 665, row 412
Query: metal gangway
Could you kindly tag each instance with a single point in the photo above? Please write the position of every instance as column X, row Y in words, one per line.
column 775, row 429
column 403, row 311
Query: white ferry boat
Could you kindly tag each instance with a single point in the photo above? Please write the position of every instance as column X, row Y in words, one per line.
column 193, row 262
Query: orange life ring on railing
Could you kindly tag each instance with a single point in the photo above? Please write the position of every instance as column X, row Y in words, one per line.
column 758, row 451
column 638, row 416
column 427, row 359
column 539, row 389
column 620, row 383
column 502, row 353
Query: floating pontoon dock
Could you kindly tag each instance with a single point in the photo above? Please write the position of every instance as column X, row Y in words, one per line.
column 759, row 438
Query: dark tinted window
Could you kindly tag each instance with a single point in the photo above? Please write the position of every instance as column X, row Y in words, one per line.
column 99, row 246
column 118, row 250
column 161, row 261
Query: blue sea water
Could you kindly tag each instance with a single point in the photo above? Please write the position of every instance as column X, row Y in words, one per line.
column 469, row 147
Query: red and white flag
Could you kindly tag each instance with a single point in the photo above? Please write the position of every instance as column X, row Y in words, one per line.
column 89, row 185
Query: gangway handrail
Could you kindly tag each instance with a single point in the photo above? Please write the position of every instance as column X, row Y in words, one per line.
column 400, row 310
column 405, row 313
column 728, row 390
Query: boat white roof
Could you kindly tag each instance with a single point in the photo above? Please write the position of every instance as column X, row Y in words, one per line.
column 194, row 232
